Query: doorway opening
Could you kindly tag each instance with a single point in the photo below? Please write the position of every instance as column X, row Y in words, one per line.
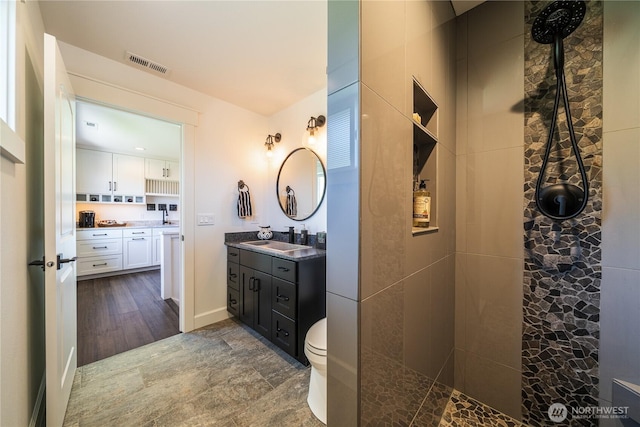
column 128, row 237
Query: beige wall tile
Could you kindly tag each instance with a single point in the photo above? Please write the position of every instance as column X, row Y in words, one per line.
column 385, row 181
column 621, row 75
column 495, row 88
column 461, row 292
column 493, row 308
column 419, row 48
column 442, row 312
column 505, row 19
column 462, row 123
column 493, row 384
column 621, row 199
column 382, row 61
column 418, row 321
column 461, row 203
column 495, row 181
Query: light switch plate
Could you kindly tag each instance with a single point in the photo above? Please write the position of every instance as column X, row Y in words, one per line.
column 206, row 219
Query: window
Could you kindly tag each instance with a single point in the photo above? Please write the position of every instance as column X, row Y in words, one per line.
column 7, row 62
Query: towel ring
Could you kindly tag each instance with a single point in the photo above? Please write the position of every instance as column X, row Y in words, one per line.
column 242, row 185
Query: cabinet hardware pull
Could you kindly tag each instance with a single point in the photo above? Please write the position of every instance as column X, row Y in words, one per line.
column 232, row 301
column 168, row 170
column 257, row 287
column 98, row 265
column 233, row 275
column 285, row 333
column 282, row 297
column 252, row 284
column 233, row 254
column 138, row 232
column 137, row 238
column 103, row 234
column 285, row 269
column 109, row 185
column 99, row 247
column 115, row 186
column 164, row 173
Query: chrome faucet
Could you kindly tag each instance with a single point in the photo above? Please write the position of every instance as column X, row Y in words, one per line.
column 164, row 217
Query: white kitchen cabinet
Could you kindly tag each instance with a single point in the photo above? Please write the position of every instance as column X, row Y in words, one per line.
column 128, row 175
column 106, row 177
column 137, row 248
column 157, row 242
column 161, row 169
column 98, row 251
column 93, row 172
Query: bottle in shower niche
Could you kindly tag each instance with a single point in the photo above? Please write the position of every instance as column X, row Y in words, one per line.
column 421, row 206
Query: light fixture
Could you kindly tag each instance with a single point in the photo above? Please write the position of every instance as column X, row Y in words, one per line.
column 140, row 148
column 271, row 139
column 312, row 127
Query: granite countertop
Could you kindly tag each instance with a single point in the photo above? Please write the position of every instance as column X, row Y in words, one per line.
column 293, row 255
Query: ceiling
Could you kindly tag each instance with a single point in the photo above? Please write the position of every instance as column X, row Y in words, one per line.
column 262, row 55
column 108, row 129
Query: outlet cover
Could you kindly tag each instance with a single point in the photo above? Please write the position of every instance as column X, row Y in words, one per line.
column 206, row 219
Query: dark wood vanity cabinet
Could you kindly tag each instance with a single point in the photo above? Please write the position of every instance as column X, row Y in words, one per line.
column 280, row 298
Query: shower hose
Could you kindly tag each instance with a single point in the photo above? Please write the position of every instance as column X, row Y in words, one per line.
column 563, row 192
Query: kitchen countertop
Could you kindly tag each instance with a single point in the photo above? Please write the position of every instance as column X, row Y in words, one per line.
column 133, row 224
column 295, row 255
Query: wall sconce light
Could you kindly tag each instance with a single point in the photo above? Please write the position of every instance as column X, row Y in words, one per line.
column 312, row 127
column 271, row 139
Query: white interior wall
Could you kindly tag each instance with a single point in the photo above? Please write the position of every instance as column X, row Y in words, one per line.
column 292, row 124
column 229, row 146
column 17, row 369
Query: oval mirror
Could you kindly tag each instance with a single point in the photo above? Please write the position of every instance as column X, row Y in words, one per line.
column 301, row 184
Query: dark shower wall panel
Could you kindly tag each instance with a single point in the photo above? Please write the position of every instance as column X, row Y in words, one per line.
column 562, row 275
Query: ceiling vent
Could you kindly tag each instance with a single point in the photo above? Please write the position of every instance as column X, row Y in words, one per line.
column 142, row 62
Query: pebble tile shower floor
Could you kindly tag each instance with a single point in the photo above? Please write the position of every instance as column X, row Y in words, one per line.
column 222, row 375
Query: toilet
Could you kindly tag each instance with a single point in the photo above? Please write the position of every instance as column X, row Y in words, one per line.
column 315, row 348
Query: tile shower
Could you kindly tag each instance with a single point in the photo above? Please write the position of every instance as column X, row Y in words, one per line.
column 528, row 325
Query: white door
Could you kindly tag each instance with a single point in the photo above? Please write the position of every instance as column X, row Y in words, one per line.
column 59, row 233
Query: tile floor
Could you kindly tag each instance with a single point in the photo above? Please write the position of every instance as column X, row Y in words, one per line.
column 222, row 375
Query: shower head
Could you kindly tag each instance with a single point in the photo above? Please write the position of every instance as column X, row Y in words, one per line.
column 559, row 18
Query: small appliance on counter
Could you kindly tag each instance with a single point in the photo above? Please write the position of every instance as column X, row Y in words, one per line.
column 87, row 219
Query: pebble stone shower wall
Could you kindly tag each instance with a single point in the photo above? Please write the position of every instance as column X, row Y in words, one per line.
column 562, row 269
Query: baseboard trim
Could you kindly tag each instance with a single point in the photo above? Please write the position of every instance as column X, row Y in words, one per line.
column 38, row 408
column 213, row 316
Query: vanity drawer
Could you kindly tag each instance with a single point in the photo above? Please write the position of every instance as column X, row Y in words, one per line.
column 284, row 269
column 233, row 254
column 283, row 332
column 233, row 301
column 98, row 247
column 257, row 261
column 283, row 297
column 233, row 275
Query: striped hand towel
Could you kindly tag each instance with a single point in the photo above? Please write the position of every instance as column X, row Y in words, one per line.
column 292, row 204
column 244, row 201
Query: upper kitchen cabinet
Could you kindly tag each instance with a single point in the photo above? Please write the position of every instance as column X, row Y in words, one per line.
column 109, row 178
column 161, row 169
column 162, row 177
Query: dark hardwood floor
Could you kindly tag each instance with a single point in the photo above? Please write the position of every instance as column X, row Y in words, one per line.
column 119, row 313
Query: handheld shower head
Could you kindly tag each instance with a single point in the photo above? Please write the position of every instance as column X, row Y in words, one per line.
column 560, row 18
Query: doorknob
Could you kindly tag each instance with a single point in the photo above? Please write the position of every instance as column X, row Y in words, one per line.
column 64, row 260
column 42, row 263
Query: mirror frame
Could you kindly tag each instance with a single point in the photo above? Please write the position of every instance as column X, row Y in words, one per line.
column 324, row 189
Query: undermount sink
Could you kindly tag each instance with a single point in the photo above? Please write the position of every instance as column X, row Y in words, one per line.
column 275, row 245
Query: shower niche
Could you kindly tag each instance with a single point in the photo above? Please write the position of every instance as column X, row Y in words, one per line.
column 425, row 151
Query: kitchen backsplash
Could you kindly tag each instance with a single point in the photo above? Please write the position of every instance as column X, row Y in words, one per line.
column 128, row 213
